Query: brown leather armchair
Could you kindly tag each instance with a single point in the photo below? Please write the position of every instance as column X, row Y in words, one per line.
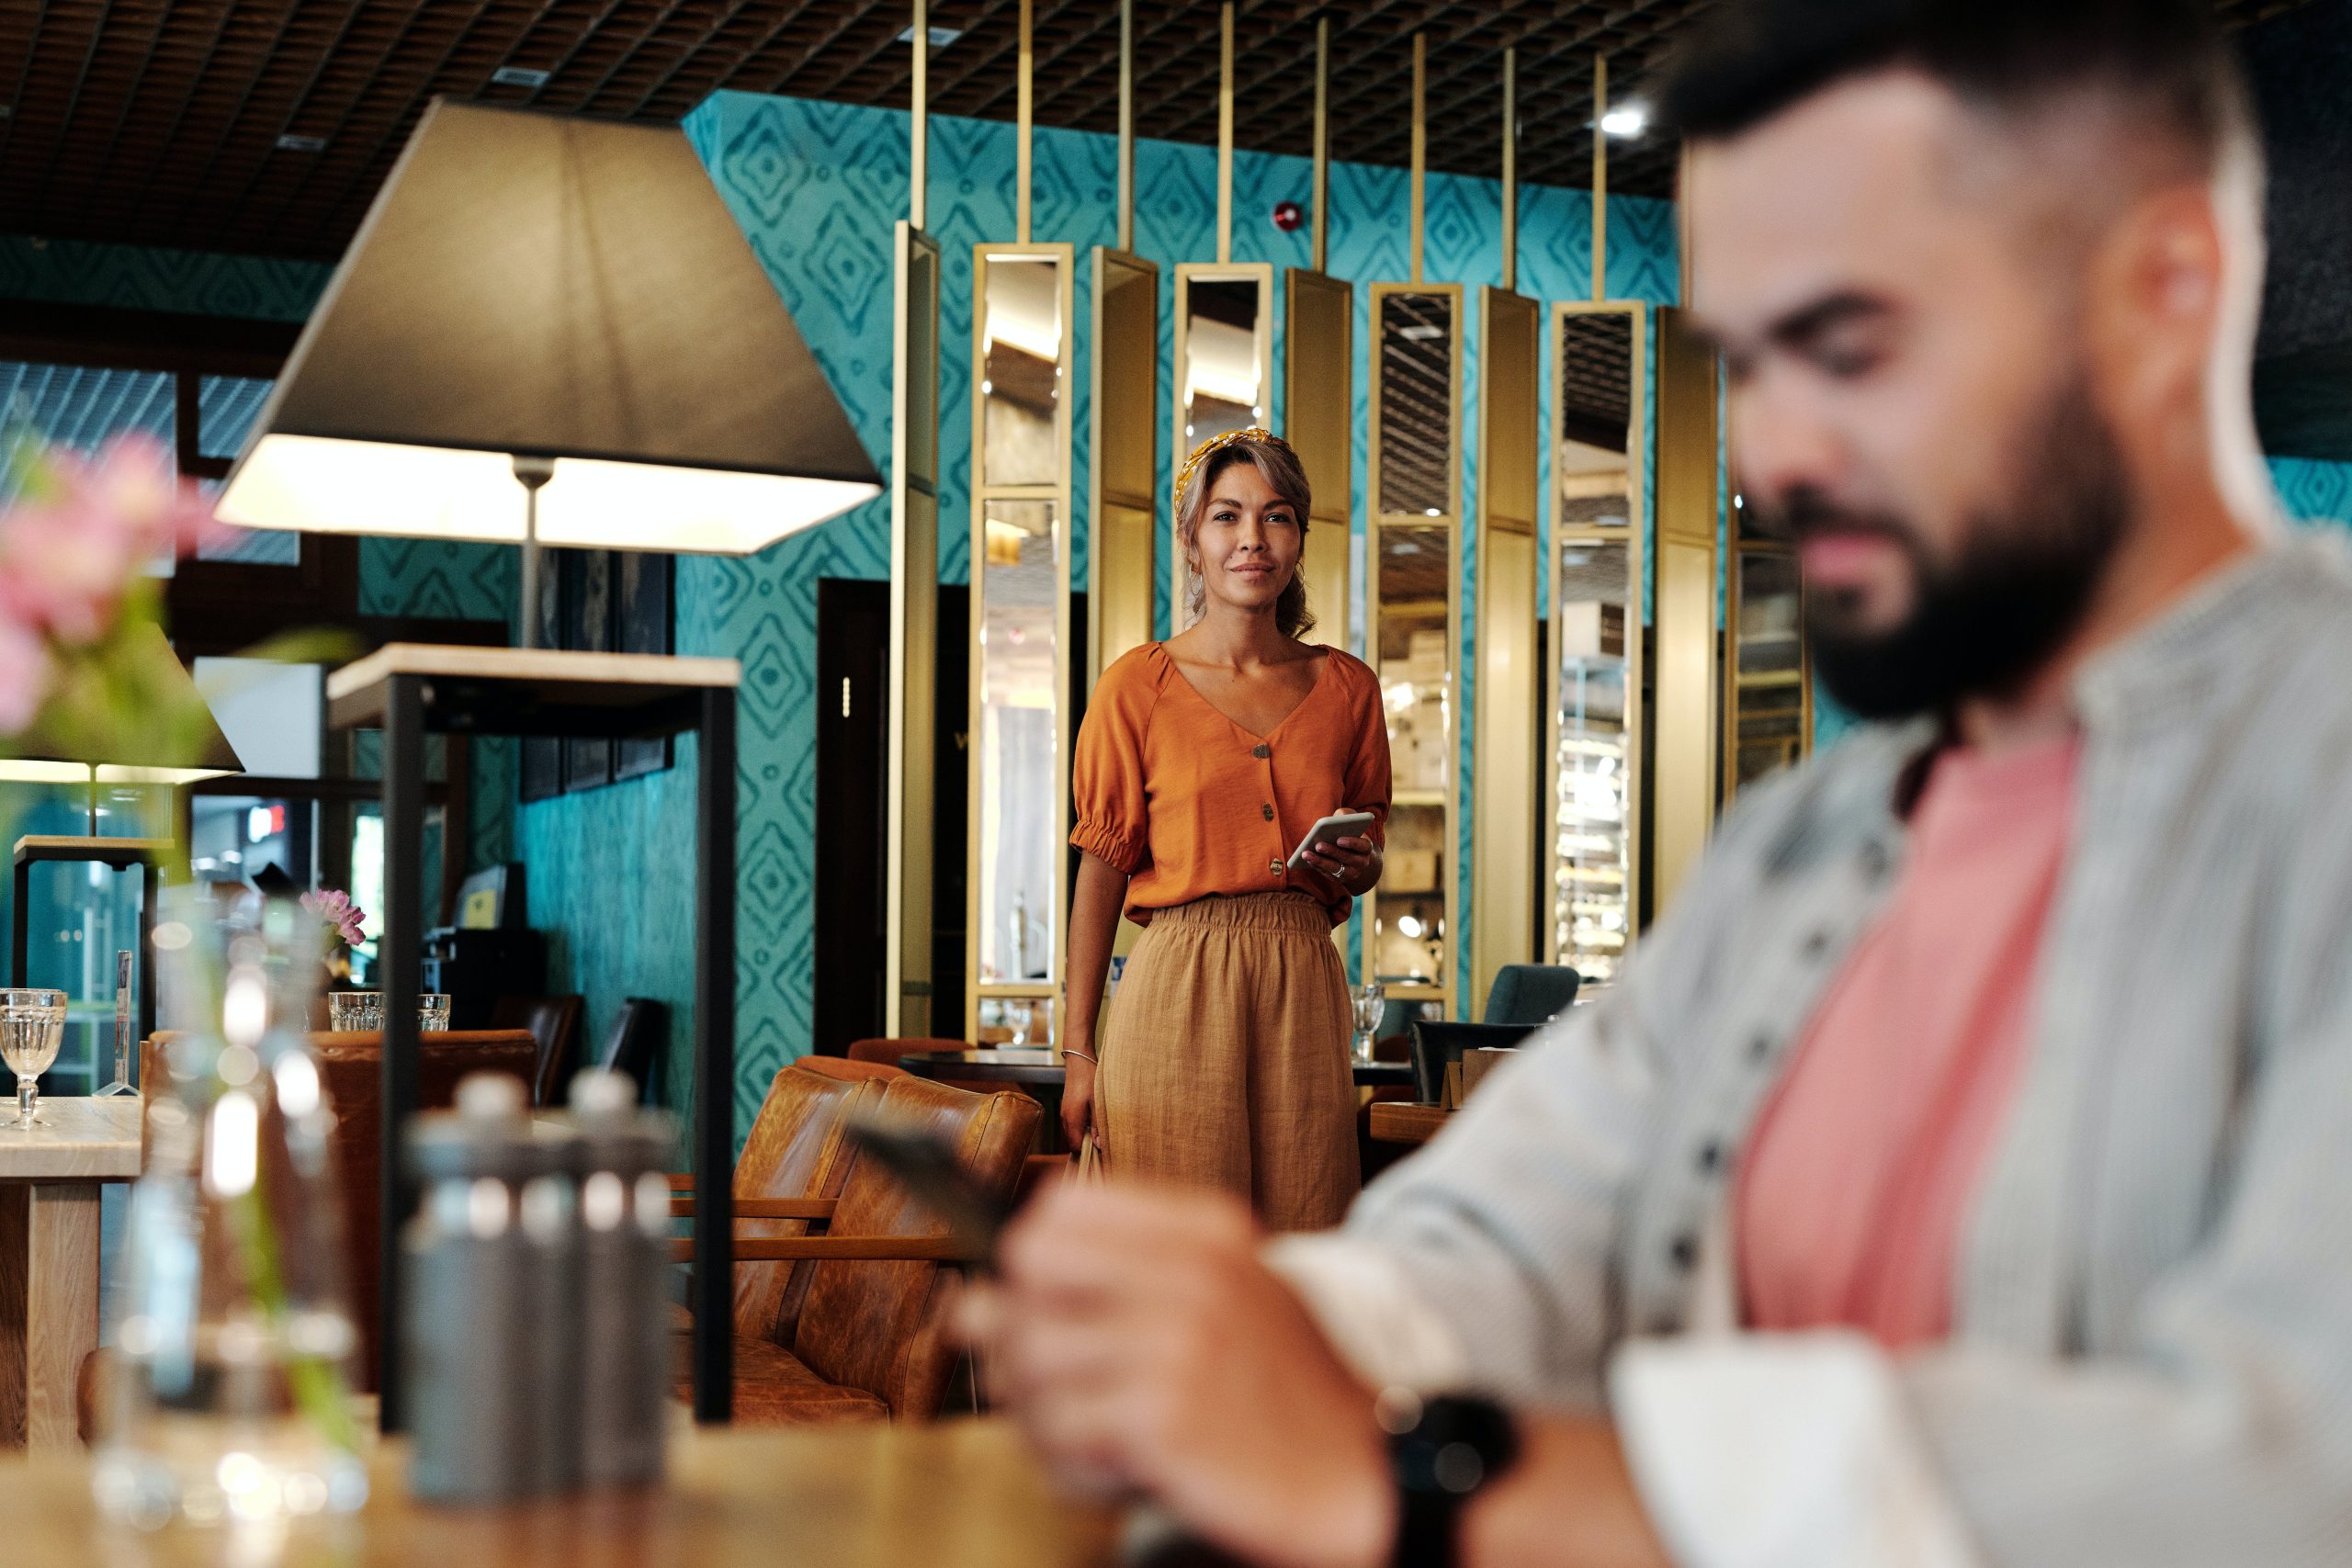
column 850, row 1329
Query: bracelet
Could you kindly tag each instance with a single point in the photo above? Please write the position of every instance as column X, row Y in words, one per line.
column 1080, row 1056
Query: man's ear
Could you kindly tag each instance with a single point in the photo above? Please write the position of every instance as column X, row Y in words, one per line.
column 2155, row 302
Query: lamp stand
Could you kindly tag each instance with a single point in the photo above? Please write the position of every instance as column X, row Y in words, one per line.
column 532, row 473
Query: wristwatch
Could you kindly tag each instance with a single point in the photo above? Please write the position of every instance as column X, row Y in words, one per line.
column 1441, row 1451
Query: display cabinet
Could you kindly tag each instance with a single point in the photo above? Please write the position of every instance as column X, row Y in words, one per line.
column 1766, row 679
column 1413, row 627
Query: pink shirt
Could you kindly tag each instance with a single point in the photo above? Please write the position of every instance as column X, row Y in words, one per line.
column 1852, row 1196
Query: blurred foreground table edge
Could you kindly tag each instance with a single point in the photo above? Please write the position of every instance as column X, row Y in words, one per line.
column 958, row 1494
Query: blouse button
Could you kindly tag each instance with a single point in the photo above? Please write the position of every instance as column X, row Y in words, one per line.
column 1274, row 867
column 1269, row 810
column 1261, row 752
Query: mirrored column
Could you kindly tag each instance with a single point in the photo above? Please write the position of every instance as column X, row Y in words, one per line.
column 1413, row 630
column 1599, row 535
column 1019, row 611
column 1223, row 368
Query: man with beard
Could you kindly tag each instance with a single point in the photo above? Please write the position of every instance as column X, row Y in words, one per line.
column 1959, row 1174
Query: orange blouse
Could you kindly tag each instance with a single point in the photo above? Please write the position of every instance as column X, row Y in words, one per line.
column 1188, row 804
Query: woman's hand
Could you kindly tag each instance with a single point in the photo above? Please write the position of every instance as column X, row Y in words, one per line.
column 1352, row 864
column 1078, row 1096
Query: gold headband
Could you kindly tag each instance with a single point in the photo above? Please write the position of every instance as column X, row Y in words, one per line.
column 1217, row 443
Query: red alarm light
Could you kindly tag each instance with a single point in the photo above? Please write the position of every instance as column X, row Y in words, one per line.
column 1288, row 216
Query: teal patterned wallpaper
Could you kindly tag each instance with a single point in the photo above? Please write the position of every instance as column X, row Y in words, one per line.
column 132, row 277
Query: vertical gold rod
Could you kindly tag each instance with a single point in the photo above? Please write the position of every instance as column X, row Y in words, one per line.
column 1599, row 177
column 1126, row 125
column 1420, row 143
column 1225, row 133
column 1322, row 137
column 1021, row 132
column 1510, row 169
column 1682, row 226
column 919, row 155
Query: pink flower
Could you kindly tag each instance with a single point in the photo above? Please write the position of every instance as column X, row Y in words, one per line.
column 336, row 908
column 25, row 669
column 66, row 566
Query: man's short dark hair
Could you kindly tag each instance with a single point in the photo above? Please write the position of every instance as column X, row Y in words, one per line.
column 2166, row 60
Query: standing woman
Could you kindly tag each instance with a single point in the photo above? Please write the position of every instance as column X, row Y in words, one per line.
column 1202, row 762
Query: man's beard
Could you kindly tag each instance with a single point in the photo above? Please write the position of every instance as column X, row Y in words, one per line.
column 1982, row 624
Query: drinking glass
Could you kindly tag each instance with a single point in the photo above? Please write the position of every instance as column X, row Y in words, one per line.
column 1370, row 999
column 433, row 1012
column 355, row 1011
column 32, row 1022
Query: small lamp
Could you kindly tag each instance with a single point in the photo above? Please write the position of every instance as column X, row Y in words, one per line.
column 154, row 755
column 550, row 330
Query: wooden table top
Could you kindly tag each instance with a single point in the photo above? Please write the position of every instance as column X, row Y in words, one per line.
column 1038, row 1065
column 1397, row 1123
column 80, row 1139
column 958, row 1495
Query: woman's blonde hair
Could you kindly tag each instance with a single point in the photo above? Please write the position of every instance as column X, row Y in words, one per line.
column 1280, row 467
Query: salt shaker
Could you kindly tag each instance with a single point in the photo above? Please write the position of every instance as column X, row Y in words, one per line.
column 625, row 1215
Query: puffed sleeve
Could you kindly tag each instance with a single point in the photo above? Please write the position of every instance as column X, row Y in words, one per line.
column 1107, row 771
column 1367, row 781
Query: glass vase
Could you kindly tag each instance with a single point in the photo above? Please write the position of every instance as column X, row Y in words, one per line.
column 229, row 1395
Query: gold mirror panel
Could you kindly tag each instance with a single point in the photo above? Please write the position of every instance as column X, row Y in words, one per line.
column 1415, row 657
column 1420, row 463
column 1769, row 719
column 1022, row 350
column 1224, row 366
column 1414, row 612
column 1020, row 843
column 1318, row 376
column 1508, row 782
column 1687, row 723
column 1019, row 740
column 915, row 629
column 1595, row 632
column 1125, row 451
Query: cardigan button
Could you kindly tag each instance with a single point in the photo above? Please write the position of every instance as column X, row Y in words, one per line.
column 1261, row 752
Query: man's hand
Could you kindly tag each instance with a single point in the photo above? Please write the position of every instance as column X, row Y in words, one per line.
column 1144, row 1347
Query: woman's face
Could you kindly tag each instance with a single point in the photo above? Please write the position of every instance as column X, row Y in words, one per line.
column 1249, row 539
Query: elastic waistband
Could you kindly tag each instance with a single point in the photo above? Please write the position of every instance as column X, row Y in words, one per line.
column 1250, row 912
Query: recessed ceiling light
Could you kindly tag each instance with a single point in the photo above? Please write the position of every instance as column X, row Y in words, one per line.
column 292, row 144
column 939, row 37
column 518, row 77
column 1626, row 120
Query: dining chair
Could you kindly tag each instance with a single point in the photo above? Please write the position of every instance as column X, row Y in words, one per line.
column 1530, row 994
column 554, row 1023
column 847, row 1325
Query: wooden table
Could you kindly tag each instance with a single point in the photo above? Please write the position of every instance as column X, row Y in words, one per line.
column 1393, row 1122
column 956, row 1495
column 1038, row 1066
column 49, row 1256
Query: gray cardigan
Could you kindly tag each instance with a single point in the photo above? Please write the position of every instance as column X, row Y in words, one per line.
column 2152, row 1360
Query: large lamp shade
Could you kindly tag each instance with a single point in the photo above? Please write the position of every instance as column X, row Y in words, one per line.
column 564, row 302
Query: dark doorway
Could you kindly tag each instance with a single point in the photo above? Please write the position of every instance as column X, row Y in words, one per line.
column 853, row 764
column 950, row 791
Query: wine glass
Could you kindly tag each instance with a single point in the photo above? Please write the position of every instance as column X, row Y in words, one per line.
column 1369, row 998
column 32, row 1022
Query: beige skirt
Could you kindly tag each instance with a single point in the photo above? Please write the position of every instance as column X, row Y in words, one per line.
column 1224, row 1059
